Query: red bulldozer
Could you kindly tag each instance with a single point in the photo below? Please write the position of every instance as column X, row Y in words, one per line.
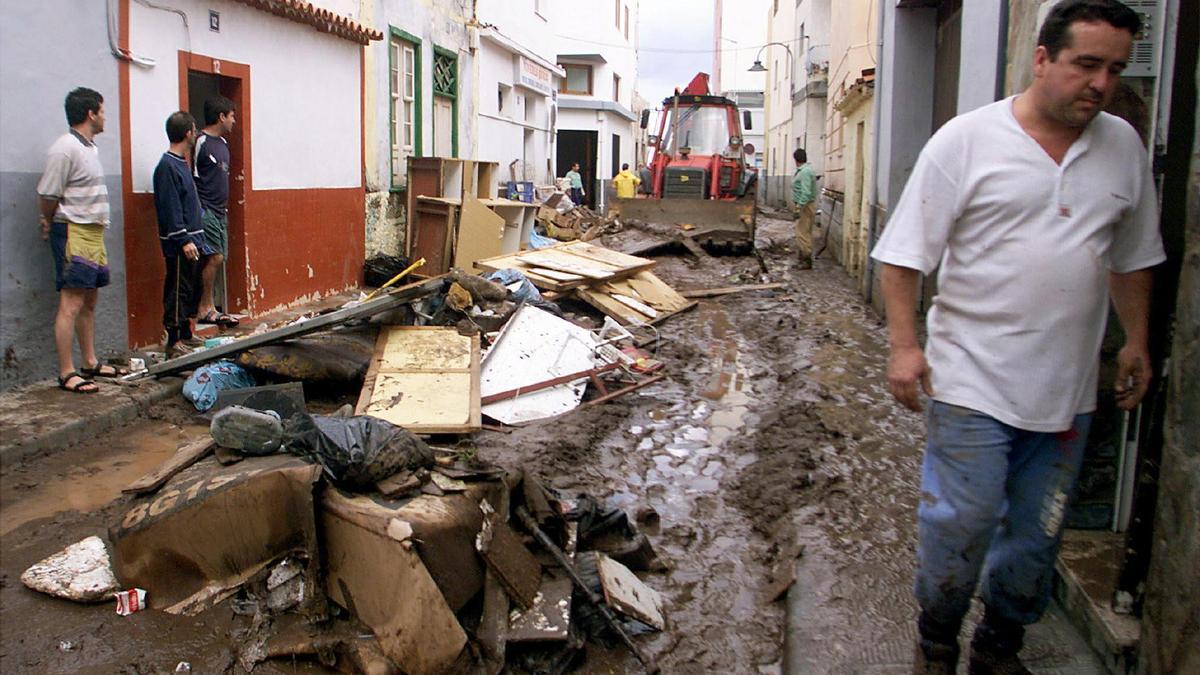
column 699, row 183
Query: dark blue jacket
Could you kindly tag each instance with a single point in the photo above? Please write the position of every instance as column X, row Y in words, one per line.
column 177, row 205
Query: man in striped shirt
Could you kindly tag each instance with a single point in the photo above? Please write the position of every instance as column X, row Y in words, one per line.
column 74, row 214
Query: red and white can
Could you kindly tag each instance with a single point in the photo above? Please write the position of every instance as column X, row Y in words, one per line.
column 130, row 601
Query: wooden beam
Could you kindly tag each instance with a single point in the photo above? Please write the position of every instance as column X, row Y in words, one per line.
column 714, row 292
column 182, row 459
column 396, row 298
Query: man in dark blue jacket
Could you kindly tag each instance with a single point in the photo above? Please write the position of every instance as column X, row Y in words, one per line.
column 180, row 233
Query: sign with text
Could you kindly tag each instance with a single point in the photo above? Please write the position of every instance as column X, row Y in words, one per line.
column 534, row 76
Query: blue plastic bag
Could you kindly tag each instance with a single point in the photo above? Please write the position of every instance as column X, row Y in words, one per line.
column 202, row 387
column 537, row 241
column 526, row 292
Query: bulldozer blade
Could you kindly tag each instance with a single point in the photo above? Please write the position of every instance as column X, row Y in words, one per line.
column 720, row 226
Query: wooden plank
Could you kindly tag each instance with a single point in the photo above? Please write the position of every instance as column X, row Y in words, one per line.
column 726, row 290
column 480, row 234
column 555, row 274
column 604, row 255
column 392, row 300
column 425, row 379
column 432, row 232
column 510, row 560
column 643, row 287
column 624, row 315
column 549, row 260
column 562, row 259
column 182, row 459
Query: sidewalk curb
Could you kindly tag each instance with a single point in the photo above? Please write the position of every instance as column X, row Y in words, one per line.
column 125, row 408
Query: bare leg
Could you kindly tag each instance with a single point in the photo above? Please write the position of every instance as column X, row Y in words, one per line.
column 70, row 303
column 207, row 275
column 85, row 328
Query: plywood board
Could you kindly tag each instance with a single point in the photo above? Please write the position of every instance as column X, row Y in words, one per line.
column 533, row 347
column 643, row 287
column 480, row 234
column 594, row 263
column 425, row 379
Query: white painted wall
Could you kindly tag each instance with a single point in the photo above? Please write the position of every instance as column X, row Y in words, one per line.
column 591, row 28
column 743, row 33
column 520, row 131
column 440, row 24
column 305, row 103
column 979, row 65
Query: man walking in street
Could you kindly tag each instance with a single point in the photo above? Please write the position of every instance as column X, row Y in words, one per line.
column 1037, row 208
column 180, row 234
column 575, row 185
column 210, row 166
column 626, row 183
column 804, row 207
column 74, row 213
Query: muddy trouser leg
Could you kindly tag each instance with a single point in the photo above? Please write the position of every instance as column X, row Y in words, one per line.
column 1019, row 569
column 179, row 297
column 987, row 485
column 805, row 215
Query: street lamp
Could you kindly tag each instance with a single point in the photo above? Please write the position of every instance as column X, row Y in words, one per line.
column 758, row 66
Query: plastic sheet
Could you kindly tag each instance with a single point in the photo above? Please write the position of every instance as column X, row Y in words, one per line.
column 202, row 387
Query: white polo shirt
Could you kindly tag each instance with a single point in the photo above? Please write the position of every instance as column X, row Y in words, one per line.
column 1024, row 247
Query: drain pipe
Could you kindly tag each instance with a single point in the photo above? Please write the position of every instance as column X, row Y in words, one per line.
column 872, row 218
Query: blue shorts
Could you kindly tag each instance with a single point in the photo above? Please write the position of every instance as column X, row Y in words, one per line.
column 78, row 272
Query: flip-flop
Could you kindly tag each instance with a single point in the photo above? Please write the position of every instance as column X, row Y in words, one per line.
column 102, row 370
column 78, row 388
column 218, row 318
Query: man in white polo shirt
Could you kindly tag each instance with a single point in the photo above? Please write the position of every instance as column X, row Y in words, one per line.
column 1035, row 210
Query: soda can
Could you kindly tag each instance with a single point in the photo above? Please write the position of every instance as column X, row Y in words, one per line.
column 130, row 601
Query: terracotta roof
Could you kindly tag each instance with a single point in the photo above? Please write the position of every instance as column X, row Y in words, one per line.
column 321, row 19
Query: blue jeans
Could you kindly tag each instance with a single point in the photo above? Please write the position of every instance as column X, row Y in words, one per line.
column 993, row 499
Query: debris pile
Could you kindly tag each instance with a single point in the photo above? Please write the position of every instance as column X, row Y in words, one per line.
column 307, row 523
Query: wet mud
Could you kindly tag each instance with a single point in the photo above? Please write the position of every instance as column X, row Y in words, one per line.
column 772, row 431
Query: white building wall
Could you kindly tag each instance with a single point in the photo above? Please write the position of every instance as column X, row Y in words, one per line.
column 743, row 33
column 781, row 27
column 811, row 24
column 519, row 131
column 522, row 131
column 305, row 130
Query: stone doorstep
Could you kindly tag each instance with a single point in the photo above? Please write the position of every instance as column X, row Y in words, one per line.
column 1085, row 579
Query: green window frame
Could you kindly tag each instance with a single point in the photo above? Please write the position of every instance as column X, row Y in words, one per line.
column 404, row 102
column 445, row 85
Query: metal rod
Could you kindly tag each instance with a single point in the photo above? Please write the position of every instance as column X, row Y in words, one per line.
column 562, row 379
column 609, row 618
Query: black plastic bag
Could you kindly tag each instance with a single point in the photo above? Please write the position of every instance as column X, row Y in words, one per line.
column 356, row 452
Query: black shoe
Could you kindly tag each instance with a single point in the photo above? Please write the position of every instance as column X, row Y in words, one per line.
column 935, row 659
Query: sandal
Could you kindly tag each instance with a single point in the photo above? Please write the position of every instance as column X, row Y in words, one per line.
column 102, row 370
column 84, row 386
column 219, row 318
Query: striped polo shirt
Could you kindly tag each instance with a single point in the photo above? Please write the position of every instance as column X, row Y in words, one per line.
column 75, row 178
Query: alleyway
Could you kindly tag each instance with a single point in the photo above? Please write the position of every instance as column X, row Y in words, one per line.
column 772, row 438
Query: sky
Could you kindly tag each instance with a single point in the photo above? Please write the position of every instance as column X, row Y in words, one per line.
column 673, row 25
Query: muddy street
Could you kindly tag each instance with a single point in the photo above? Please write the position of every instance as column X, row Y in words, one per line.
column 773, row 434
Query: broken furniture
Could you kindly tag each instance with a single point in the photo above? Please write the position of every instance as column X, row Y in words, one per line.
column 179, row 545
column 425, row 379
column 447, row 225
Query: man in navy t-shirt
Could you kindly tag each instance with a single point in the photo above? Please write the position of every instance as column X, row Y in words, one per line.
column 211, row 170
column 180, row 234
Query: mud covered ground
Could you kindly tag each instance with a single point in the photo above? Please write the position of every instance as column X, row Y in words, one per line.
column 772, row 434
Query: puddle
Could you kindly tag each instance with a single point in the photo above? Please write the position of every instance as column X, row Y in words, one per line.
column 69, row 486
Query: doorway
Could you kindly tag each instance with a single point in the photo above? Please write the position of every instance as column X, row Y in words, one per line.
column 579, row 146
column 207, row 78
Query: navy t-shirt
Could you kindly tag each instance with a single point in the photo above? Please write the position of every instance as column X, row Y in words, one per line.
column 212, row 172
